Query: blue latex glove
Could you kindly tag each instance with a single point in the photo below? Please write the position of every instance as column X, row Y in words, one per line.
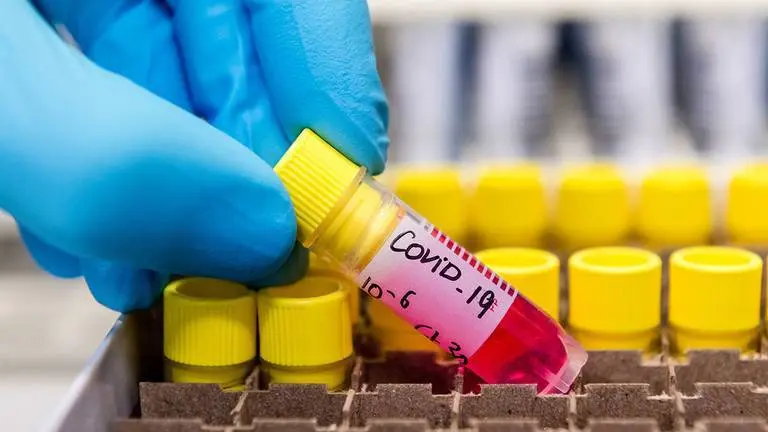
column 123, row 185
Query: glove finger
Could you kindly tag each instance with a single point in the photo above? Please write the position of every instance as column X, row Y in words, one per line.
column 138, row 43
column 120, row 288
column 134, row 39
column 126, row 289
column 320, row 70
column 294, row 268
column 224, row 74
column 150, row 187
column 51, row 259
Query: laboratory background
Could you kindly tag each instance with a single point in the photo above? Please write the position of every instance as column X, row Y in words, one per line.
column 555, row 126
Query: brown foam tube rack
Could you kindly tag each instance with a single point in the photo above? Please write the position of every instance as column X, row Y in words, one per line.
column 714, row 390
column 710, row 390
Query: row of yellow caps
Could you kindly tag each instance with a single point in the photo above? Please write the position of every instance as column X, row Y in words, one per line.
column 594, row 205
column 615, row 295
column 305, row 331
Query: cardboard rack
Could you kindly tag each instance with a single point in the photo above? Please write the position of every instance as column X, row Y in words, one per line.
column 121, row 390
column 713, row 390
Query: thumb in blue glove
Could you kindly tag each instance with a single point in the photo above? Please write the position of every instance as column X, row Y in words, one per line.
column 109, row 181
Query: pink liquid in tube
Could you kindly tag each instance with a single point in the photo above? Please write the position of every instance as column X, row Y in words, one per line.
column 472, row 313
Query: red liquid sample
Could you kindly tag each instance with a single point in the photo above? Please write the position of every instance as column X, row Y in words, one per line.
column 528, row 347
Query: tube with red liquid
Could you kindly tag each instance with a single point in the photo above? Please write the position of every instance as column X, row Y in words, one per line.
column 425, row 277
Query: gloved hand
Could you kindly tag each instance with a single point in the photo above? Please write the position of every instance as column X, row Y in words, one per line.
column 114, row 179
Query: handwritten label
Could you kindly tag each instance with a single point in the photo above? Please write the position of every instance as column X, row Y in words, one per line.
column 438, row 287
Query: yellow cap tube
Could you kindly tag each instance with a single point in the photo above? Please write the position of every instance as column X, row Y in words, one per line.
column 306, row 336
column 536, row 273
column 592, row 208
column 747, row 206
column 319, row 266
column 675, row 207
column 714, row 298
column 339, row 213
column 615, row 298
column 209, row 332
column 437, row 194
column 509, row 206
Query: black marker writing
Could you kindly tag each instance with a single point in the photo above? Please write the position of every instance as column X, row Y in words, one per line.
column 415, row 251
column 486, row 301
column 435, row 333
column 376, row 291
column 455, row 350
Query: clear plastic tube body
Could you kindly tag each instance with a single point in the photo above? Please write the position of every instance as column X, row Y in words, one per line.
column 446, row 293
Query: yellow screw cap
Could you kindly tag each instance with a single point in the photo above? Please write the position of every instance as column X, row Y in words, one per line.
column 335, row 206
column 675, row 207
column 593, row 207
column 209, row 330
column 437, row 194
column 322, row 267
column 306, row 335
column 615, row 297
column 747, row 206
column 509, row 206
column 317, row 178
column 393, row 333
column 536, row 273
column 714, row 297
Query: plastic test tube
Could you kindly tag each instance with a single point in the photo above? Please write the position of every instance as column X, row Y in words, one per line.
column 437, row 193
column 502, row 191
column 535, row 272
column 675, row 207
column 209, row 329
column 747, row 206
column 306, row 336
column 615, row 298
column 428, row 279
column 714, row 298
column 592, row 207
